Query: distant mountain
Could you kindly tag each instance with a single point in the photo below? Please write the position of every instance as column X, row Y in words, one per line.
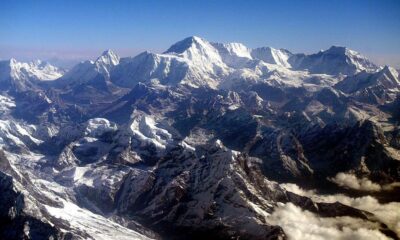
column 87, row 71
column 387, row 78
column 23, row 75
column 196, row 62
column 334, row 61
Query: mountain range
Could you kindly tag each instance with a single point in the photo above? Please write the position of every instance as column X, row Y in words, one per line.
column 203, row 140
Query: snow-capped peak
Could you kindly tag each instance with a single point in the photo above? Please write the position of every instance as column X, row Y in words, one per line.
column 343, row 51
column 360, row 62
column 107, row 60
column 185, row 44
column 108, row 57
column 196, row 49
column 13, row 61
column 201, row 59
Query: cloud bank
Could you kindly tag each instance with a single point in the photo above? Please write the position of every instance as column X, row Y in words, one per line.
column 388, row 213
column 351, row 181
column 304, row 225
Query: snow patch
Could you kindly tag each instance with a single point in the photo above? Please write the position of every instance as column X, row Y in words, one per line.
column 98, row 126
column 145, row 129
column 97, row 226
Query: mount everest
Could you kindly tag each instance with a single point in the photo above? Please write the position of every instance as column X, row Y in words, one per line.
column 203, row 140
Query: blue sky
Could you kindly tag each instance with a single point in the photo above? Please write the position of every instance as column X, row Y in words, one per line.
column 83, row 29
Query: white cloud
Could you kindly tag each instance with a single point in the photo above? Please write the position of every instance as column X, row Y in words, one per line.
column 350, row 181
column 388, row 213
column 304, row 225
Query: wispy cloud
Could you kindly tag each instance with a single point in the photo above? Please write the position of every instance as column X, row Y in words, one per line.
column 350, row 181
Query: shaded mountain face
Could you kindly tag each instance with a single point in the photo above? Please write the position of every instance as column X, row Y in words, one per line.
column 206, row 140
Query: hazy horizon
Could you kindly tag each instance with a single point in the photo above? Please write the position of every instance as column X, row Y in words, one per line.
column 67, row 58
column 79, row 30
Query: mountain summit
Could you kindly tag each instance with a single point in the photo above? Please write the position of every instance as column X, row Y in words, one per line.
column 186, row 44
column 108, row 57
column 106, row 62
